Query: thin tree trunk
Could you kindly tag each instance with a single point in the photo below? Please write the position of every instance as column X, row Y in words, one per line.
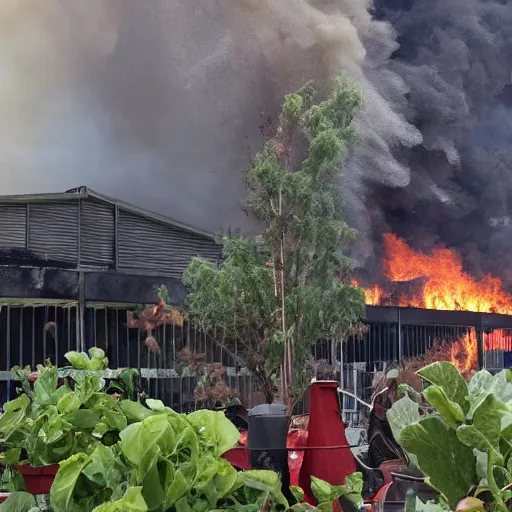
column 287, row 353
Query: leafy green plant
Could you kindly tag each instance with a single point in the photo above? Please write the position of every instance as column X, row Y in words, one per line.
column 94, row 361
column 122, row 381
column 19, row 502
column 170, row 462
column 46, row 425
column 463, row 442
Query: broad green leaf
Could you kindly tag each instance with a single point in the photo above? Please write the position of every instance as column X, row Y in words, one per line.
column 484, row 433
column 354, row 483
column 215, row 430
column 11, row 424
column 216, row 478
column 88, row 386
column 297, row 492
column 65, row 481
column 115, row 420
column 70, row 402
column 263, row 480
column 11, row 457
column 352, row 490
column 449, row 410
column 473, row 438
column 18, row 502
column 446, row 376
column 403, row 412
column 97, row 365
column 179, row 486
column 502, row 476
column 140, row 442
column 152, row 490
column 155, row 405
column 45, row 386
column 103, row 468
column 483, row 384
column 406, row 390
column 321, row 489
column 134, row 411
column 96, row 353
column 100, row 430
column 225, row 479
column 448, row 463
column 83, row 419
column 79, row 360
column 22, row 402
column 132, row 501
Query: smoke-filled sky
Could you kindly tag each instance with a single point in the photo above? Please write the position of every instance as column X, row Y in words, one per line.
column 158, row 103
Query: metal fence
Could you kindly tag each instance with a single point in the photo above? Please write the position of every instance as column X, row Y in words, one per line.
column 34, row 333
column 30, row 333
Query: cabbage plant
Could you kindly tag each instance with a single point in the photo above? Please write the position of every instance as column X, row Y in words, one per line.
column 463, row 441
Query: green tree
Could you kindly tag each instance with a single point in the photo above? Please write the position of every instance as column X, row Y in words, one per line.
column 281, row 292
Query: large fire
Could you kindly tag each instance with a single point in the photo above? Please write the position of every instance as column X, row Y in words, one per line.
column 445, row 284
column 437, row 281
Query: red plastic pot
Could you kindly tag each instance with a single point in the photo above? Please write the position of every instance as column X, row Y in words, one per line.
column 38, row 480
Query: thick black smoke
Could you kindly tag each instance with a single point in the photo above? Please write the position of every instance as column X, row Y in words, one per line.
column 159, row 103
column 456, row 58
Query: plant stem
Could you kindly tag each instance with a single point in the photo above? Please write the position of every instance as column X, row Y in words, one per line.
column 500, row 504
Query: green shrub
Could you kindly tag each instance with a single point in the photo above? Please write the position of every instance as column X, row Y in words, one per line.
column 463, row 441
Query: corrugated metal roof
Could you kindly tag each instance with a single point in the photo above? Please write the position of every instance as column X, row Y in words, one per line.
column 53, row 232
column 156, row 246
column 85, row 193
column 13, row 222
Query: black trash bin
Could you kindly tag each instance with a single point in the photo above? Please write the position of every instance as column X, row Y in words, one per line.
column 266, row 441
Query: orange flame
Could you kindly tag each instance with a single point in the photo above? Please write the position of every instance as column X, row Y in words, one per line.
column 464, row 353
column 446, row 285
column 372, row 294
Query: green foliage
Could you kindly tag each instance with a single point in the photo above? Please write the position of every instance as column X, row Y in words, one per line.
column 95, row 361
column 464, row 447
column 294, row 192
column 19, row 502
column 53, row 422
column 172, row 462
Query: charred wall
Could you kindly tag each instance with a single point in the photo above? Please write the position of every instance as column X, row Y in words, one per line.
column 83, row 230
column 80, row 244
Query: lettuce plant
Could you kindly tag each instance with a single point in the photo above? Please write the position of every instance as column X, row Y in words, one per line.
column 170, row 462
column 463, row 441
column 46, row 425
column 95, row 361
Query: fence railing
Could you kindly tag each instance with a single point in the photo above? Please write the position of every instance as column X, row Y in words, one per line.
column 30, row 333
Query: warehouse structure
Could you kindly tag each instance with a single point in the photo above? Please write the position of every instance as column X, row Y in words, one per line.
column 73, row 264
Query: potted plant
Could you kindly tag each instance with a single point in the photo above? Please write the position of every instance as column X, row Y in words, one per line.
column 51, row 421
column 173, row 462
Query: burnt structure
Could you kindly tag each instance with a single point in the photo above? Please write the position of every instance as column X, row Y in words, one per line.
column 397, row 333
column 80, row 244
column 72, row 264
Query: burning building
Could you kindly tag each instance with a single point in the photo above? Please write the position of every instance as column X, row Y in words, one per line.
column 425, row 308
column 74, row 264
